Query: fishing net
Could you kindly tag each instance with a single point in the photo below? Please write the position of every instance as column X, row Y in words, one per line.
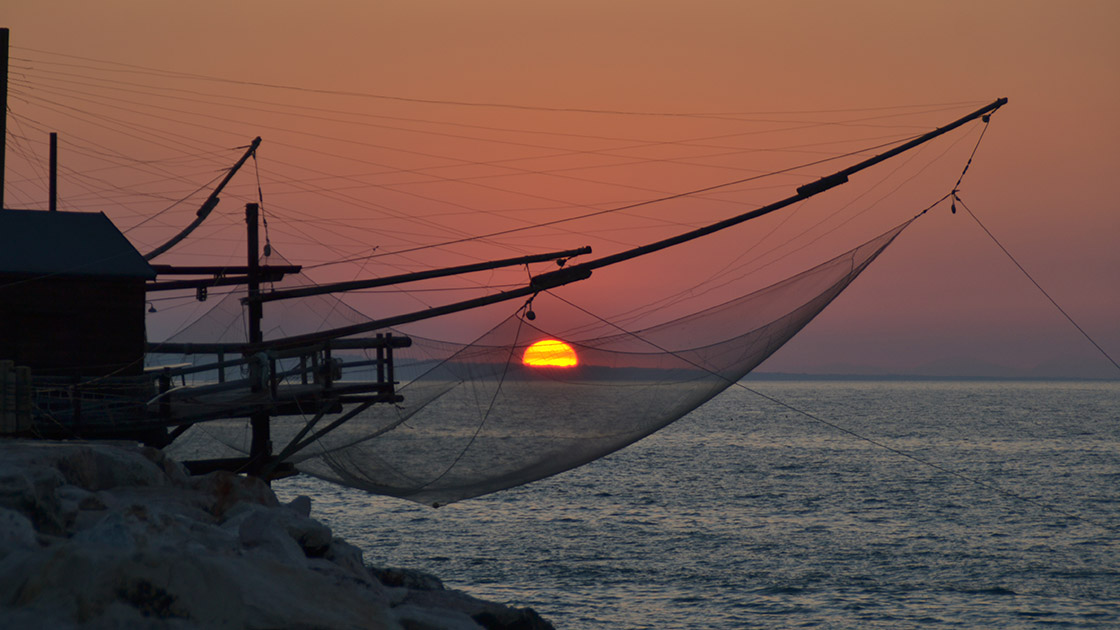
column 500, row 412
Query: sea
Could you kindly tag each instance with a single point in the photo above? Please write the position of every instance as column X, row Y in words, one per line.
column 798, row 504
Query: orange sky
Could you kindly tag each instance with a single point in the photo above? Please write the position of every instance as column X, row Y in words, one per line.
column 1042, row 180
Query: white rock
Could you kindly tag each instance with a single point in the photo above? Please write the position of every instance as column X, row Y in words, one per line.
column 349, row 558
column 29, row 488
column 16, row 532
column 264, row 532
column 25, row 619
column 111, row 531
column 313, row 537
column 416, row 618
column 73, row 501
column 227, row 490
column 102, row 466
column 300, row 505
column 116, row 536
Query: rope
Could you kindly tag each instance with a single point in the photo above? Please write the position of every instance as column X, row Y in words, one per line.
column 159, row 72
column 614, row 209
column 1038, row 286
column 855, row 434
column 983, row 130
column 260, row 204
column 485, row 416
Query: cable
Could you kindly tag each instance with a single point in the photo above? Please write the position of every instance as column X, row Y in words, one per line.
column 1069, row 318
column 404, row 99
column 855, row 434
column 260, row 203
column 631, row 206
column 677, row 143
column 485, row 416
column 642, row 144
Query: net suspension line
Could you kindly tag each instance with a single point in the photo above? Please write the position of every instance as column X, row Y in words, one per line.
column 1065, row 314
column 489, row 408
column 955, row 195
column 920, row 460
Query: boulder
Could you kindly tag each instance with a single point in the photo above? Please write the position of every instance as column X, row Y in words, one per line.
column 407, row 578
column 263, row 532
column 418, row 618
column 119, row 536
column 101, row 466
column 489, row 615
column 16, row 532
column 348, row 558
column 227, row 490
column 30, row 490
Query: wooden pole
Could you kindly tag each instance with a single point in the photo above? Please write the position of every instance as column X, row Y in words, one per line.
column 54, row 172
column 804, row 192
column 260, row 448
column 3, row 107
column 207, row 206
column 335, row 287
column 252, row 212
column 581, row 271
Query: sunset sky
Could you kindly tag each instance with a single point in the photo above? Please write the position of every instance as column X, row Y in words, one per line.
column 404, row 124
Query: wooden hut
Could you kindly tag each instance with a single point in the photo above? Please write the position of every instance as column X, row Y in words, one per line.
column 72, row 299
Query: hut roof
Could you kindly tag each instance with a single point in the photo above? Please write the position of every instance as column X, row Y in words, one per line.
column 67, row 244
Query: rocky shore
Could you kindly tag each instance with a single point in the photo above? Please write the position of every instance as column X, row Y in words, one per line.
column 119, row 536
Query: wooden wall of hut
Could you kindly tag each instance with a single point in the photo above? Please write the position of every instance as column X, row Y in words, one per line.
column 69, row 326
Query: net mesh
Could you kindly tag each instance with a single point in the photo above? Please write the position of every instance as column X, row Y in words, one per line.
column 480, row 417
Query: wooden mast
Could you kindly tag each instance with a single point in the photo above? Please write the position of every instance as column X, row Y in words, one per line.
column 260, row 449
column 582, row 271
column 207, row 206
column 3, row 107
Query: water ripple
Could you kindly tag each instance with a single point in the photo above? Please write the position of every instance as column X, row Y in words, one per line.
column 746, row 516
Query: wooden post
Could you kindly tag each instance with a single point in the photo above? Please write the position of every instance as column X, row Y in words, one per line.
column 7, row 398
column 3, row 107
column 380, row 361
column 260, row 448
column 54, row 172
column 76, row 404
column 15, row 398
column 256, row 312
column 23, row 398
column 390, row 373
column 164, row 387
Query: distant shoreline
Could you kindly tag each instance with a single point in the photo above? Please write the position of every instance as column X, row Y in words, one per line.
column 797, row 376
column 985, row 372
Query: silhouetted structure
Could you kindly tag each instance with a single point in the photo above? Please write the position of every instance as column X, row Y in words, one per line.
column 71, row 294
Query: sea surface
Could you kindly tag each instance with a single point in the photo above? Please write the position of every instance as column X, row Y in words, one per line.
column 749, row 514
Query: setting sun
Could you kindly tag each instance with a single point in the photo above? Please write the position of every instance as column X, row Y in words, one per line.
column 550, row 353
